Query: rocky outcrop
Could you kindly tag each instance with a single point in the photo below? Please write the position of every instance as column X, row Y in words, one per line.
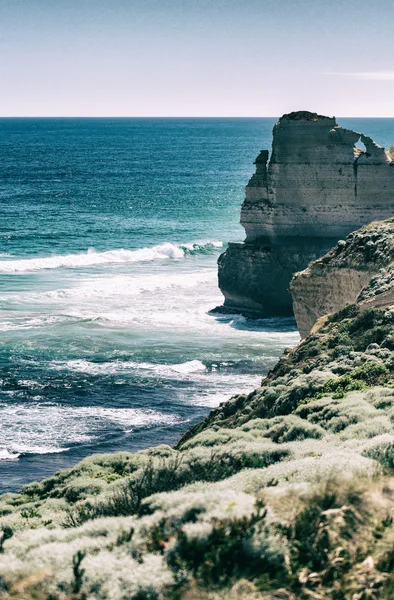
column 317, row 187
column 339, row 277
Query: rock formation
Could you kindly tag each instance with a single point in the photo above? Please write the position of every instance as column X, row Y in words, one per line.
column 317, row 187
column 337, row 278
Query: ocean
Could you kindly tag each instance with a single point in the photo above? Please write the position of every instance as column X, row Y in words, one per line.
column 110, row 230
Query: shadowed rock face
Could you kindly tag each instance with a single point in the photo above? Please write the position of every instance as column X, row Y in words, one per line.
column 316, row 188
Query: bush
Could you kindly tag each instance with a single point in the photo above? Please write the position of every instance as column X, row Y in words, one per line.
column 226, row 553
column 348, row 312
column 383, row 454
column 370, row 372
column 6, row 534
column 289, row 428
column 168, row 476
column 366, row 320
column 367, row 375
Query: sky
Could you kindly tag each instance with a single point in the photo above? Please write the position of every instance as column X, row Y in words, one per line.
column 241, row 58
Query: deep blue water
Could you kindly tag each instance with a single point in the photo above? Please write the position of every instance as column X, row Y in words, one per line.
column 109, row 234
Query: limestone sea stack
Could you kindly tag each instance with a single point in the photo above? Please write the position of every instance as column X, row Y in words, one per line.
column 317, row 187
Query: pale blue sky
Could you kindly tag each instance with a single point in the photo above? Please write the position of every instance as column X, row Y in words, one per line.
column 196, row 57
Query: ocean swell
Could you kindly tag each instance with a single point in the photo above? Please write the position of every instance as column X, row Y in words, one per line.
column 92, row 258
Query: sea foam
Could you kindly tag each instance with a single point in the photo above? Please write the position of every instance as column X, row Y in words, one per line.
column 114, row 367
column 45, row 428
column 92, row 258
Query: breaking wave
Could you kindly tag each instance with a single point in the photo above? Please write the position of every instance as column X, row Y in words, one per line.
column 111, row 368
column 46, row 428
column 92, row 258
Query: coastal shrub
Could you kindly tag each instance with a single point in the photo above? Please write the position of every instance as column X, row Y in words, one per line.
column 319, row 553
column 189, row 521
column 312, row 543
column 50, row 486
column 369, row 327
column 381, row 398
column 370, row 372
column 30, row 513
column 210, row 438
column 225, row 552
column 310, row 348
column 289, row 428
column 165, row 529
column 374, row 426
column 285, row 432
column 301, row 388
column 375, row 335
column 78, row 572
column 6, row 533
column 87, row 478
column 388, row 342
column 335, row 415
column 341, row 386
column 170, row 475
column 365, row 320
column 367, row 375
column 323, row 529
column 347, row 312
column 115, row 575
column 81, row 489
column 383, row 454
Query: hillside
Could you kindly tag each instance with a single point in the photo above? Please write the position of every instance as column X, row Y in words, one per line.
column 286, row 492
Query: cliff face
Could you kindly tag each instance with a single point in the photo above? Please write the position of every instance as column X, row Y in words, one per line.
column 316, row 188
column 337, row 278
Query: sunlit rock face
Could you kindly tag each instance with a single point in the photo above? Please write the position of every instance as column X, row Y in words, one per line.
column 316, row 188
column 350, row 272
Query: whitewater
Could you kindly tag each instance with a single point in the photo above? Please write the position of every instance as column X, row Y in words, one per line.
column 92, row 258
column 110, row 231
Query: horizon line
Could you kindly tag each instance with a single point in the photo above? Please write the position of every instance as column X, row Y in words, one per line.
column 177, row 117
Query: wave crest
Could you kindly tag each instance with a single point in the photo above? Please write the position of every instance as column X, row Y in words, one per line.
column 91, row 258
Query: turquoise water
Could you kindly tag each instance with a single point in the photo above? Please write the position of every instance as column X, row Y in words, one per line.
column 109, row 234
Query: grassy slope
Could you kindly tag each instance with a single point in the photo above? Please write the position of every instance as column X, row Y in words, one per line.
column 284, row 493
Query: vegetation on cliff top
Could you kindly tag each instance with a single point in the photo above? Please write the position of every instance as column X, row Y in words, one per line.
column 287, row 492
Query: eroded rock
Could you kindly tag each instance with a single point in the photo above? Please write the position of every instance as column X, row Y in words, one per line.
column 338, row 278
column 316, row 188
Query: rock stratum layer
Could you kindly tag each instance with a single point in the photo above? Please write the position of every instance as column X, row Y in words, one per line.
column 339, row 277
column 283, row 493
column 317, row 187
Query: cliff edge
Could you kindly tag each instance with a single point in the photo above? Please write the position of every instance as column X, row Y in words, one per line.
column 338, row 278
column 317, row 187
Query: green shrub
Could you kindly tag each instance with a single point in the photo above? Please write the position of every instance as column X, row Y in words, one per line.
column 383, row 454
column 370, row 372
column 365, row 320
column 339, row 339
column 226, row 554
column 348, row 312
column 78, row 572
column 6, row 534
column 321, row 537
column 30, row 513
column 367, row 375
column 289, row 428
column 375, row 335
column 169, row 475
